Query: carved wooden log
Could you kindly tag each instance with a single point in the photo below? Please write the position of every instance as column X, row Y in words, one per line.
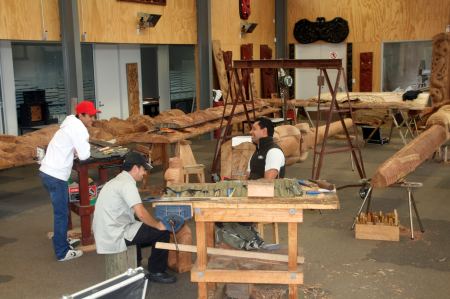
column 181, row 261
column 442, row 118
column 409, row 157
column 288, row 137
column 440, row 69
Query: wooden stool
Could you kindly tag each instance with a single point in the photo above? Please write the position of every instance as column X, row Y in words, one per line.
column 118, row 263
column 275, row 233
column 198, row 169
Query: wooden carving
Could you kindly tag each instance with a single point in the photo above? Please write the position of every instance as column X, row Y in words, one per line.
column 409, row 157
column 220, row 68
column 365, row 71
column 133, row 89
column 244, row 9
column 440, row 69
column 295, row 141
column 181, row 262
column 268, row 76
column 246, row 54
column 334, row 31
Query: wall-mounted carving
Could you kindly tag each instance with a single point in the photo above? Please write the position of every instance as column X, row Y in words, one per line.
column 334, row 31
column 440, row 69
column 244, row 9
column 157, row 2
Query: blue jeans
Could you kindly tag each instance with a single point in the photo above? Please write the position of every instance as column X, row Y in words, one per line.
column 59, row 195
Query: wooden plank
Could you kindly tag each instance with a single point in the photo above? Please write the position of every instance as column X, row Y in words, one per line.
column 201, row 245
column 231, row 252
column 293, row 246
column 248, row 215
column 287, row 63
column 377, row 232
column 246, row 276
column 292, row 252
column 133, row 89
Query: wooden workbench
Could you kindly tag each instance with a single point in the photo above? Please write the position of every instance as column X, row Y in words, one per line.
column 279, row 210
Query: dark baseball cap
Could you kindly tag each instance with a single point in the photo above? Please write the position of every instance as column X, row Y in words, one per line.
column 133, row 158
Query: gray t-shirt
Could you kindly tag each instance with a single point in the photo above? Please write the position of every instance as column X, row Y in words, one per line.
column 114, row 215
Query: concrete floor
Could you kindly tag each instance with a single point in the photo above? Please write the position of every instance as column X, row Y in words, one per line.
column 337, row 265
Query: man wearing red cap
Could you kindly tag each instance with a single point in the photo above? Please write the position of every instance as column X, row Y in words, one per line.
column 71, row 140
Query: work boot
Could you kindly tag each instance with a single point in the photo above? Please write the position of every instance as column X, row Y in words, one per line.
column 161, row 277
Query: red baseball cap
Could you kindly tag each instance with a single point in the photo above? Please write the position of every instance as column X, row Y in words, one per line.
column 86, row 107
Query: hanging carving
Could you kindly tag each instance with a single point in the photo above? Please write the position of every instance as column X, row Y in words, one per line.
column 157, row 2
column 244, row 9
column 334, row 31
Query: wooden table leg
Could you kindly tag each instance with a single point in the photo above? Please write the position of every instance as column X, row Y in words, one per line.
column 210, row 242
column 84, row 210
column 201, row 257
column 292, row 260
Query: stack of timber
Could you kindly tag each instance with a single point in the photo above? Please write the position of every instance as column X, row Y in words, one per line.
column 378, row 226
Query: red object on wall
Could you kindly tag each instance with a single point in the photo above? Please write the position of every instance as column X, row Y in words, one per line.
column 365, row 71
column 244, row 9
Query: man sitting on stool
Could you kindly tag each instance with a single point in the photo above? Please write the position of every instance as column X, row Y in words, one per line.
column 267, row 162
column 115, row 226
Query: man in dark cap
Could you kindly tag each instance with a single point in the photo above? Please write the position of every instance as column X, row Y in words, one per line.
column 115, row 226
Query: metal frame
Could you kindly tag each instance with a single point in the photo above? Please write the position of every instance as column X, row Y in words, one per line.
column 238, row 98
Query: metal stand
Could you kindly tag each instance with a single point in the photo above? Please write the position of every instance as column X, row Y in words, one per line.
column 239, row 96
column 320, row 151
column 411, row 202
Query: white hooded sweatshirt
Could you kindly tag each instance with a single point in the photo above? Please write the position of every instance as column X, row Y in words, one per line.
column 72, row 136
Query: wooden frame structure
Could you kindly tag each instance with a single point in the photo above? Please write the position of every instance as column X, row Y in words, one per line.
column 321, row 64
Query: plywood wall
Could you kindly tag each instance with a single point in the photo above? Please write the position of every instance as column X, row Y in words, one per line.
column 29, row 19
column 375, row 21
column 225, row 27
column 111, row 21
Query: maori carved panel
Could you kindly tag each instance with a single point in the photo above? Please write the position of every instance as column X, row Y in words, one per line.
column 440, row 69
column 133, row 89
column 365, row 73
column 268, row 76
column 246, row 54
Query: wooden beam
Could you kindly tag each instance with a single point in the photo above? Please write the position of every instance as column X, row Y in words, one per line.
column 230, row 252
column 287, row 63
column 247, row 276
